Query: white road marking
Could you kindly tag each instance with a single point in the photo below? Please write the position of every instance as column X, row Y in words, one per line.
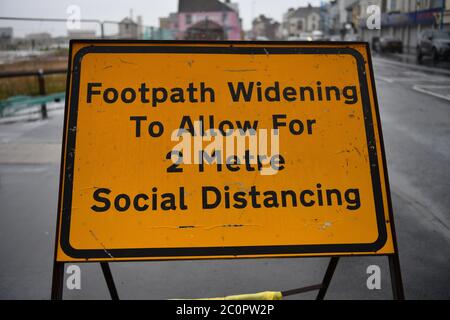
column 411, row 78
column 425, row 89
column 10, row 132
column 17, row 153
column 377, row 61
column 384, row 79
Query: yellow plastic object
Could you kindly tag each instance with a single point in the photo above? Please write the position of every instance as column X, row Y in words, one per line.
column 265, row 295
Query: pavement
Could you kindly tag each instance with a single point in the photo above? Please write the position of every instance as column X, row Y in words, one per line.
column 415, row 112
column 411, row 59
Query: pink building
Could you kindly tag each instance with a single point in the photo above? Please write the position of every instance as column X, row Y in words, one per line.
column 208, row 20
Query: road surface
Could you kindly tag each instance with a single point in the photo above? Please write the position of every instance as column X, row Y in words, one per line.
column 415, row 112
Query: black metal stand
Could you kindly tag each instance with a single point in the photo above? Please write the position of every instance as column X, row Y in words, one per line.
column 394, row 268
column 327, row 278
column 109, row 280
column 58, row 281
column 396, row 277
column 322, row 287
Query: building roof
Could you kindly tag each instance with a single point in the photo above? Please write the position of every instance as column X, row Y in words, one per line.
column 352, row 4
column 38, row 36
column 127, row 20
column 262, row 18
column 302, row 12
column 265, row 20
column 205, row 25
column 202, row 6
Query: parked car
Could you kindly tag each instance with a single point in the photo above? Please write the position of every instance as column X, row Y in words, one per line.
column 317, row 35
column 433, row 43
column 352, row 37
column 388, row 44
column 304, row 36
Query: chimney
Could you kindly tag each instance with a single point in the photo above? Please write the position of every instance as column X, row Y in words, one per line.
column 140, row 26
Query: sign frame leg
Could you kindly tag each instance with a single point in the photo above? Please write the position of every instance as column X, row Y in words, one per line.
column 109, row 281
column 57, row 281
column 327, row 278
column 396, row 277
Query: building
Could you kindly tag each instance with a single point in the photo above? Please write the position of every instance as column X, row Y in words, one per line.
column 40, row 36
column 40, row 40
column 331, row 18
column 405, row 19
column 168, row 28
column 338, row 18
column 170, row 22
column 81, row 34
column 344, row 12
column 300, row 21
column 204, row 20
column 140, row 27
column 128, row 29
column 349, row 32
column 446, row 15
column 6, row 36
column 264, row 28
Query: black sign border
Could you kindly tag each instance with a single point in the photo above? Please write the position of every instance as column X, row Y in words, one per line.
column 69, row 142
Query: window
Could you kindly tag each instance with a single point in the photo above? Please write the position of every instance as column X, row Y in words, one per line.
column 438, row 34
column 393, row 5
column 188, row 19
column 300, row 25
column 224, row 16
column 437, row 4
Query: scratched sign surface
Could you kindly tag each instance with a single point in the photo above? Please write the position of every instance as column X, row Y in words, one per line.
column 148, row 171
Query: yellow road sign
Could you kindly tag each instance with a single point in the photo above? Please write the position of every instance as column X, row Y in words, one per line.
column 150, row 170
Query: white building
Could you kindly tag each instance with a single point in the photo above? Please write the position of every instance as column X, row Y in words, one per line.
column 297, row 22
column 128, row 29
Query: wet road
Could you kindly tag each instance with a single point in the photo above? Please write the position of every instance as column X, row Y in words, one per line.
column 415, row 111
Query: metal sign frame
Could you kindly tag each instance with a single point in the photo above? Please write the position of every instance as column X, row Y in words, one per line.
column 63, row 225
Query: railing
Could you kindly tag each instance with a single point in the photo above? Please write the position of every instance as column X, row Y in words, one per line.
column 40, row 75
column 95, row 21
column 146, row 32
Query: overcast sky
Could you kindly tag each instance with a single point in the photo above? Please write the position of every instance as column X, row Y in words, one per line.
column 115, row 10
